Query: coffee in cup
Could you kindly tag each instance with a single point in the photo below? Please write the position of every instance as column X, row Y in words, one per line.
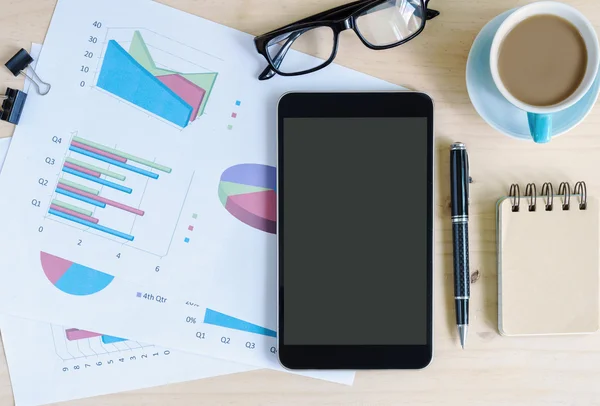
column 544, row 58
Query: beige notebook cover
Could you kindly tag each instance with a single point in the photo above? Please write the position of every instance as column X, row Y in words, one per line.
column 548, row 268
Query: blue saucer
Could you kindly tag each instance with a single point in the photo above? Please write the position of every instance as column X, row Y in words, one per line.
column 495, row 109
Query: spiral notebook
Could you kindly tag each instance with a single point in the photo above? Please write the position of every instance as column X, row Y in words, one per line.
column 548, row 261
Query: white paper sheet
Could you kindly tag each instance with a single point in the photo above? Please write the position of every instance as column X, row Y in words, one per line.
column 200, row 273
column 41, row 356
column 46, row 367
column 4, row 144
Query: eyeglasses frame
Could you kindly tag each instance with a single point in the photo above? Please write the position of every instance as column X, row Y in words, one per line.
column 339, row 19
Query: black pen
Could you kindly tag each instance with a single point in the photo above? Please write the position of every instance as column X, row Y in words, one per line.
column 459, row 190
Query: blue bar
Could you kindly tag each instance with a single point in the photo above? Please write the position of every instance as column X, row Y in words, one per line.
column 97, row 180
column 91, row 225
column 113, row 162
column 124, row 77
column 79, row 197
column 112, row 339
column 224, row 320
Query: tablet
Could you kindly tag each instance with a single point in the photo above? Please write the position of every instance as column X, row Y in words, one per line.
column 355, row 230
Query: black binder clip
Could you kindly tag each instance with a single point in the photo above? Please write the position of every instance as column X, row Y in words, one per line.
column 12, row 105
column 18, row 65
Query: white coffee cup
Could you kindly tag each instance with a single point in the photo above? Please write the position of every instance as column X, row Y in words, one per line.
column 540, row 117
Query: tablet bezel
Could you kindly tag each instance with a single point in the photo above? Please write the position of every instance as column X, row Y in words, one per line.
column 379, row 104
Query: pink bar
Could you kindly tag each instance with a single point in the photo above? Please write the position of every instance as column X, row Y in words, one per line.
column 84, row 170
column 102, row 199
column 76, row 334
column 74, row 214
column 98, row 151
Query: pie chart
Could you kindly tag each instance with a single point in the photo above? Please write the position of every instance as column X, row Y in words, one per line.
column 73, row 278
column 248, row 193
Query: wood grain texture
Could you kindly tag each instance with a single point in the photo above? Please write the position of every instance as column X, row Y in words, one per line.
column 494, row 370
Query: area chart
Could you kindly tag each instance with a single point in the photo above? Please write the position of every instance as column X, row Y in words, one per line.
column 133, row 76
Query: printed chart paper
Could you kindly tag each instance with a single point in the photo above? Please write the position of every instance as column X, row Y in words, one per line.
column 67, row 364
column 148, row 211
column 49, row 364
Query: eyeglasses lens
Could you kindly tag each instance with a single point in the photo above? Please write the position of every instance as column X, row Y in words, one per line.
column 391, row 21
column 317, row 41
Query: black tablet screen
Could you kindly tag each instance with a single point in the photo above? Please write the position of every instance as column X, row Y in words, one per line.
column 354, row 205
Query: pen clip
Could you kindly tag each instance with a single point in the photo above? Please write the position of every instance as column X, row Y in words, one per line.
column 468, row 170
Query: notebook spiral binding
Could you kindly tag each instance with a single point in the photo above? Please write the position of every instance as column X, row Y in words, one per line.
column 564, row 193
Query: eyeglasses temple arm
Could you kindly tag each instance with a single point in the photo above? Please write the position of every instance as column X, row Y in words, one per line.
column 331, row 14
column 268, row 73
column 431, row 14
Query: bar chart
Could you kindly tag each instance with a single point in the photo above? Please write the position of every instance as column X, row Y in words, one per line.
column 89, row 170
column 72, row 344
column 178, row 96
column 74, row 334
column 220, row 319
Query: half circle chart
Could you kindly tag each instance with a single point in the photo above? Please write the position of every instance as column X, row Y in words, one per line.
column 73, row 278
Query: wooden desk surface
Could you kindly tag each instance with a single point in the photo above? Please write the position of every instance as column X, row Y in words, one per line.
column 494, row 370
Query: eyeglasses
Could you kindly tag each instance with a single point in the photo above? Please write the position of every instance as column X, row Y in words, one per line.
column 380, row 24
